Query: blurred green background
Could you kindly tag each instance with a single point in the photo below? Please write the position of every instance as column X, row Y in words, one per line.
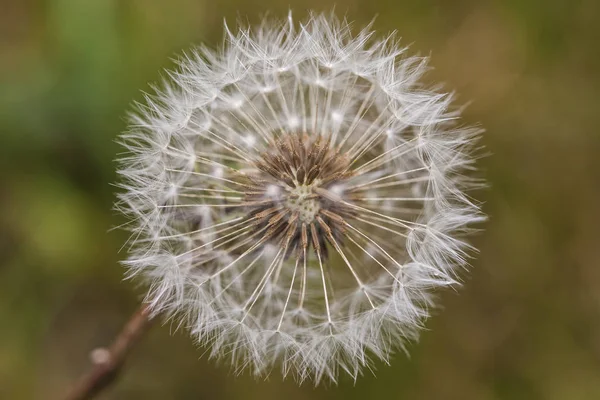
column 526, row 324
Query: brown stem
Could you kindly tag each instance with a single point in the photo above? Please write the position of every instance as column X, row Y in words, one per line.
column 107, row 362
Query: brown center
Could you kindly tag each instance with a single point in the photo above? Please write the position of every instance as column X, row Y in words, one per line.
column 292, row 197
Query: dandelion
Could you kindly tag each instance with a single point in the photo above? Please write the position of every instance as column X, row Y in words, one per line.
column 296, row 198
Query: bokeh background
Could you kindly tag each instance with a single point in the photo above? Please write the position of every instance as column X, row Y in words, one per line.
column 526, row 323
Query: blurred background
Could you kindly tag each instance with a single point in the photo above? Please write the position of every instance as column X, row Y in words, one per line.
column 526, row 323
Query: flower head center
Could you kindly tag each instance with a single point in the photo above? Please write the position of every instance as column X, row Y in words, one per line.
column 304, row 202
column 291, row 198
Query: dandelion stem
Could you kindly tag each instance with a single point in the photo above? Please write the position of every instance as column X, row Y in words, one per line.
column 108, row 364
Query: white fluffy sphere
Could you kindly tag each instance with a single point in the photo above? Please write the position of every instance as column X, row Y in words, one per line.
column 296, row 197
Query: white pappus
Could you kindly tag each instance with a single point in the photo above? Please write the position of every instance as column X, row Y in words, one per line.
column 296, row 197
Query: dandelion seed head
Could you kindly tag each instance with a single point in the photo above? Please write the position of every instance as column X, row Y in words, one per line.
column 296, row 197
